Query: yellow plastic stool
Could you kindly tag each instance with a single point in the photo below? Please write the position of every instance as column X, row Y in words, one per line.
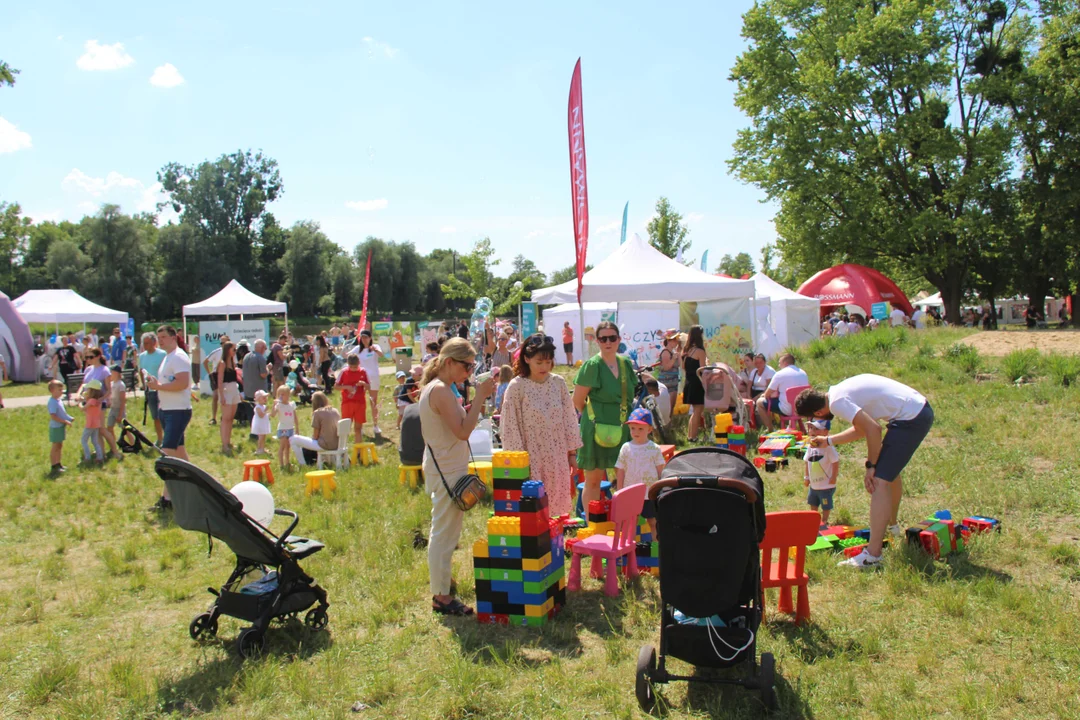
column 410, row 474
column 483, row 471
column 365, row 452
column 321, row 478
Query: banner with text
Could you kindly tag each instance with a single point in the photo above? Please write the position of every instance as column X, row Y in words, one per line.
column 528, row 319
column 210, row 332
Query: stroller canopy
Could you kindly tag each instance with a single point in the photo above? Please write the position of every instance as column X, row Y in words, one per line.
column 720, row 463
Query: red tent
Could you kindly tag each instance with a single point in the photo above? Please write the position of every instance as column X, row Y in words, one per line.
column 850, row 284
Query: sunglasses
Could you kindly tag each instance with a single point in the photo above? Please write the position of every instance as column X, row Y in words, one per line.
column 607, row 338
column 469, row 366
column 539, row 340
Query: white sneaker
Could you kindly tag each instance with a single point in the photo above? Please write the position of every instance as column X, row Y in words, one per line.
column 862, row 560
column 896, row 531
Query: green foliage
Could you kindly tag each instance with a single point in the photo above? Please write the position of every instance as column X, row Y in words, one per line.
column 14, row 232
column 666, row 231
column 1062, row 370
column 478, row 264
column 67, row 264
column 7, row 74
column 963, row 356
column 1021, row 365
column 121, row 251
column 566, row 274
column 305, row 265
column 737, row 266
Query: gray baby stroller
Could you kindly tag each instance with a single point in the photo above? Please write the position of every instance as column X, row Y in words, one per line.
column 202, row 504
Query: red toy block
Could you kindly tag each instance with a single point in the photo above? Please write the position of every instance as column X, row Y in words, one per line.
column 981, row 524
column 511, row 495
column 854, row 550
column 930, row 543
column 841, row 531
column 493, row 619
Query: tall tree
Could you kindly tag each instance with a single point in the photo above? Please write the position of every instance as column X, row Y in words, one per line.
column 225, row 198
column 191, row 268
column 306, row 267
column 384, row 272
column 737, row 266
column 566, row 274
column 869, row 128
column 407, row 296
column 342, row 283
column 269, row 249
column 666, row 231
column 66, row 265
column 121, row 248
column 14, row 234
column 478, row 275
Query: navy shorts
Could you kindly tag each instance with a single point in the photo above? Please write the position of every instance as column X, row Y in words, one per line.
column 902, row 439
column 175, row 422
column 824, row 498
column 648, row 509
column 772, row 405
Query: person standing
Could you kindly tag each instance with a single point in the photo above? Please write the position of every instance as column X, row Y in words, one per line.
column 693, row 391
column 865, row 401
column 668, row 374
column 173, row 385
column 230, row 394
column 538, row 417
column 210, row 365
column 322, row 348
column 446, row 427
column 463, row 330
column 369, row 353
column 254, row 370
column 568, row 343
column 918, row 319
column 277, row 360
column 603, row 390
column 898, row 317
column 149, row 362
column 68, row 361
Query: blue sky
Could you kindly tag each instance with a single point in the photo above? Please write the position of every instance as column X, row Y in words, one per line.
column 436, row 123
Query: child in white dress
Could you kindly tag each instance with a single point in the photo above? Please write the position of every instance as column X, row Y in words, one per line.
column 260, row 421
column 285, row 411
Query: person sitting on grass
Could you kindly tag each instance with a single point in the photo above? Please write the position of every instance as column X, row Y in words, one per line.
column 640, row 461
column 865, row 401
column 820, row 473
column 59, row 421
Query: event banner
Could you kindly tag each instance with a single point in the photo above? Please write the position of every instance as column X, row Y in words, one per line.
column 579, row 186
column 392, row 335
column 726, row 323
column 528, row 319
column 427, row 332
column 367, row 283
column 210, row 332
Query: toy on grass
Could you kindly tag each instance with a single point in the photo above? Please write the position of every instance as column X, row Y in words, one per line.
column 979, row 524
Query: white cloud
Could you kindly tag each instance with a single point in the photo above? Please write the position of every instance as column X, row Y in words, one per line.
column 78, row 180
column 694, row 217
column 166, row 76
column 447, row 229
column 12, row 138
column 384, row 49
column 366, row 205
column 533, row 234
column 131, row 194
column 609, row 227
column 103, row 57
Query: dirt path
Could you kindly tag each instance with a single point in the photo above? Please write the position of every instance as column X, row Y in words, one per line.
column 1003, row 343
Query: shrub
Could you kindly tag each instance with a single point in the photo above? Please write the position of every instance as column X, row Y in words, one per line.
column 1021, row 364
column 818, row 348
column 1063, row 370
column 963, row 356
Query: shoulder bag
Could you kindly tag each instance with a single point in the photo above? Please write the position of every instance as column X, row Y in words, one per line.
column 604, row 435
column 467, row 491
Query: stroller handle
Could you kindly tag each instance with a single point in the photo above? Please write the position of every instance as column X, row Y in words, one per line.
column 292, row 526
column 703, row 481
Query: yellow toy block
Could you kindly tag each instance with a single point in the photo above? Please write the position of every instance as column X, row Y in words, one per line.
column 536, row 565
column 500, row 525
column 480, row 549
column 510, row 459
column 584, row 532
column 562, row 582
column 602, row 528
column 723, row 422
column 540, row 610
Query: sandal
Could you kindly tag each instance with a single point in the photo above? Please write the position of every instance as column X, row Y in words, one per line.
column 454, row 607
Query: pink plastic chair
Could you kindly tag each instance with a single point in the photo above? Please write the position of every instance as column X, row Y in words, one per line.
column 625, row 509
column 788, row 422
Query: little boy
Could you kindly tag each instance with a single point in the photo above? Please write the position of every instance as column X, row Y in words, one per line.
column 117, row 403
column 403, row 395
column 59, row 421
column 822, row 468
column 640, row 461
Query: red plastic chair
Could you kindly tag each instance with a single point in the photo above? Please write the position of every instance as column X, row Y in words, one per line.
column 625, row 509
column 783, row 531
column 788, row 421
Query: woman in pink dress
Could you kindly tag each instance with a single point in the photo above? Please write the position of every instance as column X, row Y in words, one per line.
column 538, row 416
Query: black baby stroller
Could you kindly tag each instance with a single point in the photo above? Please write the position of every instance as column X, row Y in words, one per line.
column 710, row 512
column 202, row 504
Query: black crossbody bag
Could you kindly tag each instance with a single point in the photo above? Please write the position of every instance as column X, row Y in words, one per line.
column 467, row 491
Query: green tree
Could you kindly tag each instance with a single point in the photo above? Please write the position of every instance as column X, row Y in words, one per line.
column 225, row 198
column 666, row 231
column 342, row 283
column 66, row 265
column 384, row 271
column 121, row 249
column 7, row 74
column 14, row 233
column 870, row 130
column 478, row 276
column 191, row 268
column 737, row 266
column 566, row 274
column 407, row 295
column 269, row 249
column 509, row 296
column 305, row 265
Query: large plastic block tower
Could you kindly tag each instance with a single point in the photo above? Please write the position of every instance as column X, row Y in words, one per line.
column 519, row 569
column 722, row 430
column 737, row 439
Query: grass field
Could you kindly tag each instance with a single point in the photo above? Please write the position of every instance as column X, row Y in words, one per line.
column 96, row 593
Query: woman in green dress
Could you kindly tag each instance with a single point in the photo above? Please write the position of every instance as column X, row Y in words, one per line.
column 603, row 391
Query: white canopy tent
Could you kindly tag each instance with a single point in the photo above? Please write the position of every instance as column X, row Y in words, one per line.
column 235, row 299
column 640, row 323
column 795, row 318
column 53, row 307
column 929, row 301
column 636, row 271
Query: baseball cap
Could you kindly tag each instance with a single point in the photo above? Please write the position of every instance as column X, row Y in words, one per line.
column 400, row 374
column 116, row 369
column 641, row 416
column 820, row 424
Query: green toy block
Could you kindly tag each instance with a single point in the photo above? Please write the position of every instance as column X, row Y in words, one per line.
column 511, row 473
column 851, row 542
column 535, row 588
column 526, row 621
column 482, row 573
column 504, row 541
column 823, row 542
column 498, row 575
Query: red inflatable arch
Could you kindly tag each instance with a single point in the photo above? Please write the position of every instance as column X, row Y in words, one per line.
column 850, row 284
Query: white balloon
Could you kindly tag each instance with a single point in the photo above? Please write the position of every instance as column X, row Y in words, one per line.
column 257, row 502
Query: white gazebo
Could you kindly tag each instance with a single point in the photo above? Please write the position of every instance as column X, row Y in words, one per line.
column 52, row 307
column 795, row 318
column 235, row 299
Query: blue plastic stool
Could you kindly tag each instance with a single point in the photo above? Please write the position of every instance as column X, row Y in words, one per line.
column 605, row 490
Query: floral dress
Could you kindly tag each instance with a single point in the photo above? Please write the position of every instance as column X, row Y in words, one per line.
column 540, row 419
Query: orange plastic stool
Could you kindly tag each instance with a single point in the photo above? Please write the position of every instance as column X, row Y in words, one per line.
column 259, row 471
column 668, row 451
column 790, row 533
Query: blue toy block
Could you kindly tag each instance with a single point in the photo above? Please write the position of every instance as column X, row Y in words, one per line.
column 943, row 515
column 483, row 606
column 863, row 534
column 532, row 488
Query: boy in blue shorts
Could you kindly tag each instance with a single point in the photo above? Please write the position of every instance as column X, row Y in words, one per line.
column 59, row 420
column 822, row 468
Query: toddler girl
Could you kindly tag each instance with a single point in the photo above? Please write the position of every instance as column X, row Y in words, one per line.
column 285, row 411
column 92, row 432
column 506, row 374
column 260, row 421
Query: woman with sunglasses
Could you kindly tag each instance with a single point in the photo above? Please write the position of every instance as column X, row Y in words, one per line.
column 693, row 390
column 603, row 391
column 538, row 417
column 446, row 427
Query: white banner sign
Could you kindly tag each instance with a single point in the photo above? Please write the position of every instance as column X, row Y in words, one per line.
column 210, row 332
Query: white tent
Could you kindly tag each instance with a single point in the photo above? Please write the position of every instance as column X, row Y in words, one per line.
column 795, row 318
column 64, row 306
column 930, row 301
column 641, row 324
column 235, row 299
column 636, row 271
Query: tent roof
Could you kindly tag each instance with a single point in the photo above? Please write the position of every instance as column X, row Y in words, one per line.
column 57, row 306
column 765, row 286
column 929, row 301
column 235, row 299
column 851, row 284
column 638, row 271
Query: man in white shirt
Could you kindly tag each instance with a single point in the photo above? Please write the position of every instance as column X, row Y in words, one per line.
column 774, row 400
column 919, row 318
column 865, row 401
column 173, row 385
column 897, row 317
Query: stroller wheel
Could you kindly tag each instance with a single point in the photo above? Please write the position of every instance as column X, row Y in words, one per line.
column 251, row 642
column 317, row 619
column 646, row 665
column 766, row 680
column 203, row 624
